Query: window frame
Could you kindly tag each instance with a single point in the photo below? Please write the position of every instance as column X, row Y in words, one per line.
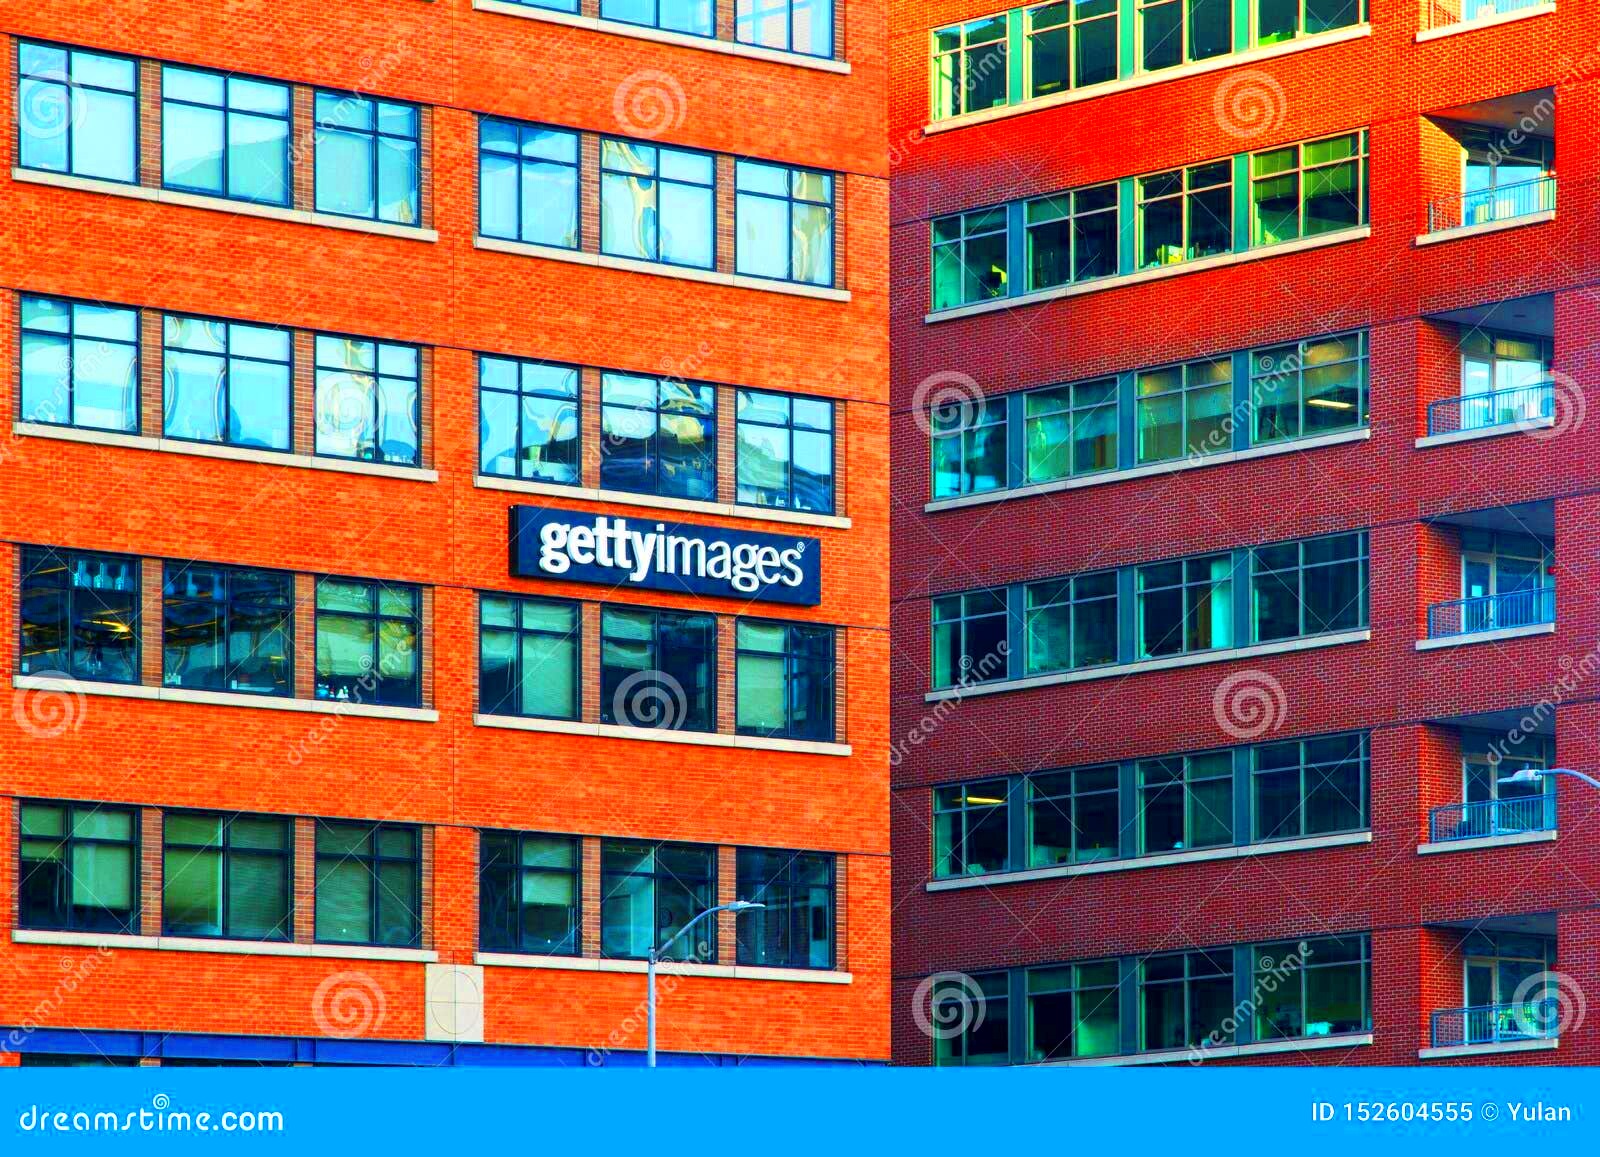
column 655, row 6
column 519, row 871
column 1188, row 981
column 70, row 306
column 522, row 164
column 1272, row 953
column 377, row 617
column 134, row 845
column 227, row 357
column 966, row 234
column 1074, row 412
column 992, row 991
column 793, row 659
column 136, row 94
column 1223, row 591
column 517, row 601
column 1073, row 217
column 371, row 860
column 657, row 182
column 961, row 55
column 570, row 406
column 67, row 590
column 1301, row 32
column 1187, row 781
column 1185, row 35
column 1075, row 988
column 971, row 816
column 227, row 112
column 225, row 850
column 378, row 346
column 789, row 429
column 1071, row 25
column 709, row 883
column 1305, row 768
column 794, row 180
column 703, row 394
column 959, row 622
column 788, row 44
column 1036, row 798
column 1073, row 604
column 974, row 416
column 1263, row 354
column 1359, row 159
column 373, row 138
column 790, row 883
column 1189, row 196
column 1303, row 572
column 658, row 615
column 172, row 571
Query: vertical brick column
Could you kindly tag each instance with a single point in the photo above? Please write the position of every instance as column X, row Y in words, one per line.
column 841, row 456
column 302, row 152
column 425, row 392
column 841, row 684
column 727, row 892
column 150, row 868
column 454, row 894
column 726, row 239
column 150, row 124
column 727, row 665
column 150, row 391
column 303, row 404
column 591, row 434
column 724, row 18
column 589, row 192
column 590, row 882
column 305, row 880
column 425, row 166
column 841, row 909
column 727, row 443
column 426, row 906
column 428, row 641
column 841, row 222
column 589, row 654
column 305, row 636
column 150, row 658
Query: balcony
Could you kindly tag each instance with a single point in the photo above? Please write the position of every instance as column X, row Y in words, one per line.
column 1524, row 608
column 1490, row 818
column 1496, row 1024
column 1526, row 406
column 1447, row 13
column 1502, row 204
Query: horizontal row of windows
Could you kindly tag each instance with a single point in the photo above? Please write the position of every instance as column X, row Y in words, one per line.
column 803, row 26
column 232, row 629
column 1234, row 796
column 1209, row 602
column 1043, row 49
column 231, row 876
column 1190, row 410
column 1195, row 1000
column 1229, row 205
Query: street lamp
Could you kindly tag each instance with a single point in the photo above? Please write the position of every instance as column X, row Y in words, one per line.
column 655, row 956
column 1532, row 774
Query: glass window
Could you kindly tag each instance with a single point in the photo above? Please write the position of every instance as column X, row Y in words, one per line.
column 784, row 684
column 970, row 638
column 367, row 158
column 657, row 204
column 785, row 451
column 1070, row 236
column 80, row 364
column 1071, row 622
column 969, row 258
column 1184, row 606
column 369, row 642
column 1185, row 999
column 369, row 884
column 1184, row 410
column 658, row 669
column 227, row 875
column 659, row 436
column 527, row 183
column 1173, row 32
column 968, row 443
column 80, row 615
column 1071, row 44
column 554, row 5
column 1309, row 988
column 227, row 383
column 228, row 629
column 804, row 26
column 650, row 892
column 1070, row 430
column 1303, row 190
column 970, row 71
column 1309, row 587
column 368, row 400
column 80, row 868
column 784, row 223
column 1185, row 802
column 1309, row 787
column 1073, row 816
column 795, row 929
column 528, row 420
column 77, row 112
column 1074, row 1011
column 1186, row 213
column 979, row 1006
column 225, row 135
column 530, row 894
column 528, row 651
column 695, row 17
column 1309, row 387
column 970, row 828
column 1280, row 20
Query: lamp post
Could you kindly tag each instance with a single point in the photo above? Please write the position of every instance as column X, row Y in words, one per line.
column 654, row 958
column 1532, row 774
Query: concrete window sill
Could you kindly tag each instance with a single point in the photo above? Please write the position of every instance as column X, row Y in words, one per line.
column 661, row 735
column 654, row 502
column 222, row 698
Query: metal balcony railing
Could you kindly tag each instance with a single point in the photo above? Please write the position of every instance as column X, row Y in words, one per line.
column 1492, row 1024
column 1492, row 612
column 1502, row 203
column 1492, row 817
column 1496, row 408
column 1443, row 12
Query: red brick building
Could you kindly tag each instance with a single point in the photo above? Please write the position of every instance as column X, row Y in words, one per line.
column 307, row 309
column 1243, row 531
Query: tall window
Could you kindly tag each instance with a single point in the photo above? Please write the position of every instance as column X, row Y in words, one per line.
column 227, row 875
column 970, row 72
column 1172, row 32
column 529, row 894
column 367, row 158
column 1074, row 1011
column 77, row 112
column 528, row 420
column 369, row 642
column 1319, row 987
column 970, row 638
column 1071, row 622
column 1073, row 816
column 1185, row 999
column 1185, row 802
column 369, row 884
column 795, row 928
column 80, row 615
column 1304, row 190
column 1309, row 587
column 785, row 451
column 1184, row 606
column 80, row 364
column 1184, row 409
column 1280, row 20
column 1309, row 387
column 969, row 258
column 659, row 436
column 1071, row 236
column 982, row 1040
column 1185, row 214
column 527, row 183
column 80, row 868
column 528, row 650
column 1502, row 378
column 658, row 669
column 228, row 629
column 695, row 17
column 784, row 680
column 784, row 223
column 225, row 135
column 1504, row 177
column 226, row 382
column 658, row 204
column 804, row 26
column 1309, row 787
column 968, row 442
column 1070, row 430
column 971, row 828
column 649, row 892
column 368, row 400
column 1071, row 44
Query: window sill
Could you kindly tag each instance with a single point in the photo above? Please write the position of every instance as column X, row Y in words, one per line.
column 659, row 269
column 649, row 735
column 666, row 968
column 1118, row 281
column 222, row 698
column 1221, row 1052
column 655, row 502
column 1144, row 80
column 1484, row 22
column 1143, row 666
column 1155, row 470
column 1496, row 431
column 1542, row 1044
column 1136, row 863
column 230, row 453
column 1510, row 840
column 1461, row 231
column 113, row 941
column 1486, row 636
column 662, row 36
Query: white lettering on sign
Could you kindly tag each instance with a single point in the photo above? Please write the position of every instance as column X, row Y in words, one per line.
column 611, row 543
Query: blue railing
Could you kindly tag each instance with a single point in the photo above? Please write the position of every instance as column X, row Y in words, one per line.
column 1443, row 12
column 1492, row 612
column 1492, row 817
column 1503, row 203
column 1492, row 1024
column 1496, row 408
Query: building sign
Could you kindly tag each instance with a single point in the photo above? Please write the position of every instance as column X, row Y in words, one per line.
column 665, row 556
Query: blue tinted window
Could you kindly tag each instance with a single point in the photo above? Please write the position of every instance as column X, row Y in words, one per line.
column 527, row 183
column 225, row 135
column 657, row 204
column 80, row 364
column 529, row 897
column 228, row 628
column 785, row 451
column 369, row 642
column 80, row 616
column 784, row 223
column 528, row 420
column 659, row 436
column 368, row 400
column 367, row 159
column 77, row 112
column 695, row 17
column 226, row 382
column 787, row 25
